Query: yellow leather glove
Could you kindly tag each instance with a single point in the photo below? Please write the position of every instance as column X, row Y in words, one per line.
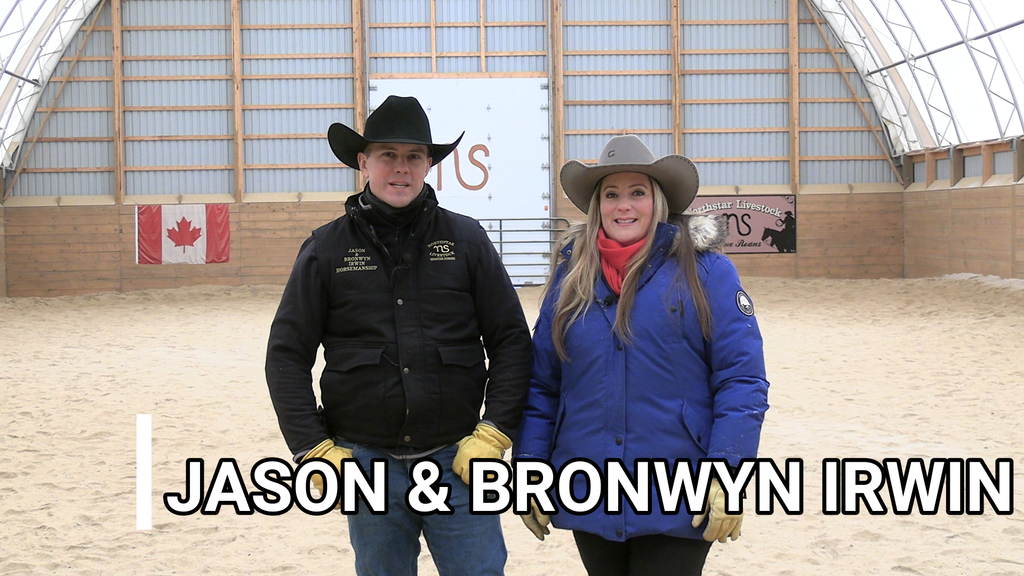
column 485, row 442
column 720, row 525
column 333, row 454
column 537, row 521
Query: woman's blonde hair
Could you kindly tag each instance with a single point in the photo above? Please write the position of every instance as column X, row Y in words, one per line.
column 584, row 269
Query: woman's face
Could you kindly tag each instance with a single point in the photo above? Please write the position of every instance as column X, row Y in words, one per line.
column 627, row 203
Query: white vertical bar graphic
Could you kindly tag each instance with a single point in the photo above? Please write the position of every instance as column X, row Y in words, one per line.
column 143, row 471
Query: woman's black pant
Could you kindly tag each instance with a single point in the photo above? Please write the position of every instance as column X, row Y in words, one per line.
column 642, row 556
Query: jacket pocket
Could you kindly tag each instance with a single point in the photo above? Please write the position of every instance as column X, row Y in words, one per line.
column 467, row 355
column 461, row 379
column 345, row 359
column 697, row 426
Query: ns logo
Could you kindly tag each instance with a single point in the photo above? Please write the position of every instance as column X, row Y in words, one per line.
column 441, row 250
column 473, row 151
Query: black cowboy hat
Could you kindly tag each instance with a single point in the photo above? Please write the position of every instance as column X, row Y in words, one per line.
column 400, row 119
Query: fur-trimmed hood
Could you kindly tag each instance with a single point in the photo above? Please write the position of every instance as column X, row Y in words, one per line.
column 708, row 232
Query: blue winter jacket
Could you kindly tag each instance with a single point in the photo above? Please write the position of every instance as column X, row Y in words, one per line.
column 669, row 394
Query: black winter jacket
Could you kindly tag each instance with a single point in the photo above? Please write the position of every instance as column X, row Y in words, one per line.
column 404, row 359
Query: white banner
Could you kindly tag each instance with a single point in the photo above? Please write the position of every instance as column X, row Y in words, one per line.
column 498, row 173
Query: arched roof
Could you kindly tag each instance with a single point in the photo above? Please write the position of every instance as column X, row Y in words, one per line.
column 33, row 36
column 940, row 72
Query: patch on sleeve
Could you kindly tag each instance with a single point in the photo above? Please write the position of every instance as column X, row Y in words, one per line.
column 744, row 303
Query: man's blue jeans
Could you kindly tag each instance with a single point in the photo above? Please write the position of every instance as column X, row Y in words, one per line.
column 462, row 544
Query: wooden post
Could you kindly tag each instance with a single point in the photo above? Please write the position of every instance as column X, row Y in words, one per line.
column 929, row 168
column 956, row 166
column 483, row 36
column 1018, row 159
column 907, row 169
column 236, row 76
column 360, row 76
column 433, row 37
column 988, row 162
column 677, row 85
column 559, row 202
column 117, row 56
column 794, row 96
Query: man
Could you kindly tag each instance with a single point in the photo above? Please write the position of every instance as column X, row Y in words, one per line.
column 400, row 293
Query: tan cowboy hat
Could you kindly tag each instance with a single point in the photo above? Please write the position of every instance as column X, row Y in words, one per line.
column 400, row 119
column 676, row 174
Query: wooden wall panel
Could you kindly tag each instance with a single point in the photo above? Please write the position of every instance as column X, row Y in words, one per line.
column 1018, row 231
column 3, row 256
column 54, row 251
column 838, row 236
column 850, row 235
column 962, row 230
column 51, row 251
column 926, row 229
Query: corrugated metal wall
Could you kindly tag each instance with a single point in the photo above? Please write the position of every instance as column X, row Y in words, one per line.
column 1003, row 162
column 464, row 41
column 972, row 167
column 160, row 72
column 298, row 78
column 920, row 172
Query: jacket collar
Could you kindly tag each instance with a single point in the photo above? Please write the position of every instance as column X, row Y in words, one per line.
column 664, row 234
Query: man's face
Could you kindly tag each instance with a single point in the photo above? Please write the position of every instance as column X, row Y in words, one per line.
column 395, row 171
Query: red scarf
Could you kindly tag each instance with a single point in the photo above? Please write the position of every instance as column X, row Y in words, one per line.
column 614, row 257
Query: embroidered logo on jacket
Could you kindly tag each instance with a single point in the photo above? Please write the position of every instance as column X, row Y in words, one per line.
column 356, row 261
column 744, row 303
column 441, row 250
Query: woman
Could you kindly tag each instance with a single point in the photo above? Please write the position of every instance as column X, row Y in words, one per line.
column 646, row 347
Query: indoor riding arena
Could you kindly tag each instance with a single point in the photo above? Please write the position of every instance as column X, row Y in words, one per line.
column 162, row 162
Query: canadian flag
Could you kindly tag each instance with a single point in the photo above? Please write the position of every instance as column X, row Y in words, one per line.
column 182, row 234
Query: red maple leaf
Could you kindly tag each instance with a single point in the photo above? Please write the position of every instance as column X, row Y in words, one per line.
column 184, row 234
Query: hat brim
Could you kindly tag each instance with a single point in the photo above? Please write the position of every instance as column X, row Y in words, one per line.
column 676, row 175
column 346, row 144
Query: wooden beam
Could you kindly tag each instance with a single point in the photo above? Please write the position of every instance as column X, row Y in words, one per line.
column 405, row 75
column 794, row 96
column 316, row 136
column 531, row 24
column 558, row 203
column 118, row 101
column 988, row 164
column 839, row 66
column 326, row 106
column 956, row 166
column 239, row 117
column 677, row 83
column 68, row 169
column 1018, row 159
column 60, row 90
column 619, row 131
column 317, row 26
column 190, row 137
column 483, row 36
column 360, row 70
column 433, row 36
column 172, row 27
column 175, row 168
